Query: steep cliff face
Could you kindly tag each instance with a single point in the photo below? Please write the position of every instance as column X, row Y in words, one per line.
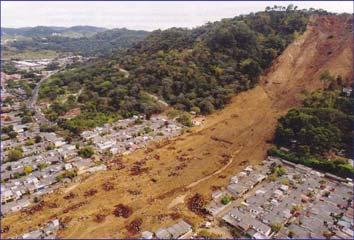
column 230, row 138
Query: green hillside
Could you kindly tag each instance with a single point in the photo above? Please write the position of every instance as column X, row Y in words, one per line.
column 191, row 69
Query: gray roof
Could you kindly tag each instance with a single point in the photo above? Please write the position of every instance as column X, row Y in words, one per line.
column 236, row 189
column 33, row 235
column 179, row 229
column 162, row 233
column 147, row 235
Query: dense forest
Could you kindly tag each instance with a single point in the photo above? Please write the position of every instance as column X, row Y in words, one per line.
column 319, row 134
column 102, row 43
column 191, row 69
column 100, row 90
column 200, row 69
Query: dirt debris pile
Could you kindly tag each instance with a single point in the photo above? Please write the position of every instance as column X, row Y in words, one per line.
column 122, row 211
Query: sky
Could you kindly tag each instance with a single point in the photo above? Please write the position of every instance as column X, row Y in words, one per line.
column 140, row 15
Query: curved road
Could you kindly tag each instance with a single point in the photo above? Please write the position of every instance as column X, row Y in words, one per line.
column 39, row 116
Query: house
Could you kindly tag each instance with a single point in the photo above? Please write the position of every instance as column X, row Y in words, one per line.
column 114, row 150
column 97, row 168
column 68, row 166
column 234, row 180
column 278, row 194
column 18, row 194
column 302, row 168
column 217, row 194
column 236, row 189
column 87, row 135
column 106, row 145
column 284, row 188
column 347, row 91
column 59, row 143
column 19, row 128
column 20, row 204
column 7, row 196
column 215, row 207
column 245, row 222
column 52, row 227
column 37, row 234
column 180, row 229
column 284, row 149
column 197, row 121
column 69, row 154
column 67, row 151
column 30, row 187
column 46, row 182
column 235, row 218
column 82, row 165
column 162, row 233
column 147, row 235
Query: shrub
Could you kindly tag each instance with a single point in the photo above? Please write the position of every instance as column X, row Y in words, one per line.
column 14, row 154
column 86, row 152
column 226, row 199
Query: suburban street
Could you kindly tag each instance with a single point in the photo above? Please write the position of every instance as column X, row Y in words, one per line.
column 32, row 103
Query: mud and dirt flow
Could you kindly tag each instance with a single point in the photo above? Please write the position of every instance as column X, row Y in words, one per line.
column 242, row 130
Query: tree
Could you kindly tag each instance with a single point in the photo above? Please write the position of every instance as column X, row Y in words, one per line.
column 37, row 139
column 26, row 119
column 50, row 146
column 12, row 134
column 68, row 139
column 251, row 68
column 226, row 199
column 29, row 142
column 52, row 66
column 14, row 154
column 195, row 109
column 280, row 170
column 86, row 152
column 185, row 119
column 326, row 77
column 276, row 227
column 27, row 169
column 42, row 165
column 7, row 129
column 36, row 199
column 206, row 106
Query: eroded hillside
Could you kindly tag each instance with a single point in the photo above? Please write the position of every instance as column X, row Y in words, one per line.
column 199, row 161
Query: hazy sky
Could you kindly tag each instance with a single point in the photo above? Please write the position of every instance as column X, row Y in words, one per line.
column 139, row 15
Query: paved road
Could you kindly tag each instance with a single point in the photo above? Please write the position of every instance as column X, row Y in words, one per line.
column 39, row 116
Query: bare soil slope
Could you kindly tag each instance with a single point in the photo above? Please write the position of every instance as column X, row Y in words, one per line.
column 202, row 160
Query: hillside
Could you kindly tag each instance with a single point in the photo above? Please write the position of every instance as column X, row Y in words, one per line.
column 44, row 31
column 84, row 40
column 203, row 159
column 191, row 69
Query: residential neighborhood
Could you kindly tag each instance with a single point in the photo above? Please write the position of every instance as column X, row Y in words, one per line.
column 177, row 120
column 36, row 161
column 277, row 199
column 281, row 199
column 127, row 135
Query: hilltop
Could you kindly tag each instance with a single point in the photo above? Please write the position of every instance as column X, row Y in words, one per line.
column 201, row 160
column 44, row 31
